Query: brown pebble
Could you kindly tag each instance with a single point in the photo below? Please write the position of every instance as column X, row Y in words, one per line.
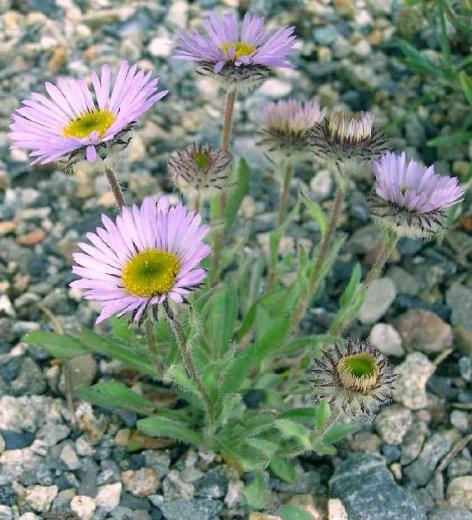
column 7, row 226
column 36, row 236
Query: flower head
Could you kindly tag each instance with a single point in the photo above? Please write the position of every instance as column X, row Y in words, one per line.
column 240, row 55
column 74, row 123
column 354, row 378
column 411, row 198
column 286, row 124
column 148, row 255
column 347, row 136
column 200, row 168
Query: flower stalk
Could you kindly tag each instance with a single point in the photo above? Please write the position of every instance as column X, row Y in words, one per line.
column 284, row 193
column 115, row 187
column 190, row 368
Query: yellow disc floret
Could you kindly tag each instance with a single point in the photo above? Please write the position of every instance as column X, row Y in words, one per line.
column 236, row 49
column 97, row 121
column 150, row 272
column 358, row 372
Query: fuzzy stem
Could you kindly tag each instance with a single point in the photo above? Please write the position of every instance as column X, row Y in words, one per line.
column 190, row 368
column 225, row 145
column 388, row 245
column 115, row 187
column 315, row 277
column 197, row 201
column 151, row 338
column 284, row 192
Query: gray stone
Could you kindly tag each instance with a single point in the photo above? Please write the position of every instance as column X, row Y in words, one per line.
column 413, row 374
column 421, row 471
column 6, row 513
column 379, row 297
column 404, row 282
column 450, row 513
column 29, row 380
column 364, row 239
column 157, row 460
column 424, row 331
column 460, row 420
column 211, row 485
column 393, row 422
column 52, row 433
column 413, row 443
column 459, row 299
column 459, row 492
column 369, row 492
column 200, row 509
column 385, row 338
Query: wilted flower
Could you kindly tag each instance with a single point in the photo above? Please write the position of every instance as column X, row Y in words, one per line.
column 73, row 124
column 347, row 136
column 285, row 125
column 239, row 56
column 200, row 168
column 353, row 377
column 410, row 198
column 149, row 254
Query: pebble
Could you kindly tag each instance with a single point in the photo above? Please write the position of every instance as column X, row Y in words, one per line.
column 69, row 457
column 413, row 375
column 40, row 498
column 142, row 482
column 109, row 496
column 200, row 509
column 393, row 422
column 459, row 492
column 424, row 331
column 336, row 510
column 6, row 513
column 386, row 339
column 83, row 506
column 32, row 238
column 450, row 513
column 368, row 490
column 459, row 299
column 379, row 297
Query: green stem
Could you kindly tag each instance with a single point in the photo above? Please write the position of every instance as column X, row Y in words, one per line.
column 115, row 187
column 317, row 271
column 151, row 338
column 284, row 192
column 225, row 145
column 190, row 368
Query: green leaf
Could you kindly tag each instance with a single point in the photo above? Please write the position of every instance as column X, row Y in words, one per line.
column 322, row 414
column 57, row 345
column 317, row 213
column 283, row 470
column 338, row 432
column 458, row 137
column 351, row 288
column 294, row 512
column 117, row 395
column 159, row 426
column 417, row 61
column 249, row 358
column 113, row 349
column 256, row 493
column 180, row 379
column 301, row 414
column 266, row 447
column 221, row 318
column 238, row 193
column 314, row 342
column 291, row 429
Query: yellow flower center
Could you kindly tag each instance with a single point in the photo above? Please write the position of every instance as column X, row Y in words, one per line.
column 97, row 121
column 150, row 272
column 358, row 372
column 236, row 49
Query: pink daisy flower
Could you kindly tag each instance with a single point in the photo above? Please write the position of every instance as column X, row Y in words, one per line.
column 73, row 121
column 148, row 255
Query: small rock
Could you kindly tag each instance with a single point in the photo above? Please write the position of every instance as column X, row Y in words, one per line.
column 40, row 498
column 69, row 457
column 424, row 331
column 460, row 420
column 412, row 443
column 6, row 227
column 109, row 496
column 321, row 184
column 413, row 374
column 404, row 282
column 6, row 513
column 459, row 492
column 368, row 491
column 365, row 442
column 200, row 509
column 36, row 236
column 83, row 506
column 336, row 510
column 459, row 299
column 52, row 433
column 450, row 513
column 385, row 338
column 142, row 482
column 393, row 422
column 379, row 297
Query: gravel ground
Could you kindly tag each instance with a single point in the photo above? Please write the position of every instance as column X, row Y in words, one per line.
column 414, row 462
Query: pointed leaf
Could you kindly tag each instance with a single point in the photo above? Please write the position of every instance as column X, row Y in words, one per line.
column 159, row 426
column 322, row 414
column 338, row 432
column 317, row 213
column 221, row 318
column 238, row 193
column 291, row 429
column 294, row 512
column 256, row 493
column 283, row 469
column 57, row 345
column 351, row 288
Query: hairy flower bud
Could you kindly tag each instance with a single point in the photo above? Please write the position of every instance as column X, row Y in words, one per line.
column 347, row 136
column 353, row 377
column 200, row 168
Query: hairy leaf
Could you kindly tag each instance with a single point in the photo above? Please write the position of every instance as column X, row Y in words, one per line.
column 159, row 426
column 256, row 493
column 291, row 429
column 221, row 318
column 238, row 193
column 338, row 432
column 57, row 345
column 283, row 469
